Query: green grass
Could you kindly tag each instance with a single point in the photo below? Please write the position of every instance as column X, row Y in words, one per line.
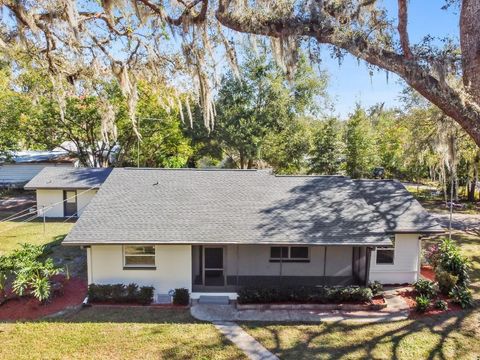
column 436, row 203
column 13, row 233
column 117, row 333
column 446, row 337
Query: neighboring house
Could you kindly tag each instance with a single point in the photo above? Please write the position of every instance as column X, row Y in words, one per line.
column 213, row 231
column 22, row 166
column 65, row 192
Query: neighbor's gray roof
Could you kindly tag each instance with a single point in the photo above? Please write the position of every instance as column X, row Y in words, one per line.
column 68, row 178
column 205, row 206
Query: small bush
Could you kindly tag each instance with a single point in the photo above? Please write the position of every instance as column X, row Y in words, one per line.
column 422, row 303
column 304, row 294
column 425, row 288
column 441, row 305
column 376, row 287
column 120, row 293
column 145, row 295
column 462, row 296
column 181, row 297
column 446, row 281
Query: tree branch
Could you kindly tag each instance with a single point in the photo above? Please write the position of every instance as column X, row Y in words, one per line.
column 402, row 28
column 195, row 19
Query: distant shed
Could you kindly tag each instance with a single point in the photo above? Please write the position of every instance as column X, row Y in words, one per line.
column 22, row 166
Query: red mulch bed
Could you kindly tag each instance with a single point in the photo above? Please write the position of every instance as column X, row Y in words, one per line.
column 427, row 272
column 409, row 297
column 378, row 300
column 27, row 308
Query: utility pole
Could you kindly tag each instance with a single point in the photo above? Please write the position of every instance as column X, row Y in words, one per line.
column 43, row 213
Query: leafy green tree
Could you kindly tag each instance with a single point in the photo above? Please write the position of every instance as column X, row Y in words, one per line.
column 286, row 150
column 327, row 153
column 15, row 107
column 360, row 145
column 163, row 142
column 260, row 104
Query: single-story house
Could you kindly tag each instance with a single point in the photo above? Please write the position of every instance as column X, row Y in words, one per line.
column 65, row 192
column 21, row 166
column 213, row 231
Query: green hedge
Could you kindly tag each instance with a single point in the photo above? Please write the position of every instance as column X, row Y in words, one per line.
column 304, row 294
column 120, row 294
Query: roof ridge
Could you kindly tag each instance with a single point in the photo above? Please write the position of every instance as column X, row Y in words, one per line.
column 190, row 169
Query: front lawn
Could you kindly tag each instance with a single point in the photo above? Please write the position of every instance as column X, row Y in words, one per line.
column 451, row 336
column 117, row 333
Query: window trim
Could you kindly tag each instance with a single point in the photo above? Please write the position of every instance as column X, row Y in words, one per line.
column 389, row 248
column 289, row 259
column 136, row 266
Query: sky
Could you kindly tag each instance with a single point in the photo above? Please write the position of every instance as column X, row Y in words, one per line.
column 350, row 83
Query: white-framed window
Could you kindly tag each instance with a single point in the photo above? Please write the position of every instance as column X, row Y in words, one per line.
column 385, row 255
column 289, row 254
column 139, row 256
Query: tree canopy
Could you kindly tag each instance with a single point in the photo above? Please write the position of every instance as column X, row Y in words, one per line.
column 78, row 43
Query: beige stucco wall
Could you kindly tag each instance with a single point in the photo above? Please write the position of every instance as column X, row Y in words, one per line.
column 405, row 264
column 47, row 197
column 173, row 267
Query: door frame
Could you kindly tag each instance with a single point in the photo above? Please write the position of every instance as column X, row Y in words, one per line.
column 65, row 203
column 223, row 263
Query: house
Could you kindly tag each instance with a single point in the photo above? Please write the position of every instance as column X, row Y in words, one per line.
column 213, row 231
column 65, row 192
column 22, row 166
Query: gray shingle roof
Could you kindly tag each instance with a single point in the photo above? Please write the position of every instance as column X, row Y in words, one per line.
column 205, row 206
column 68, row 178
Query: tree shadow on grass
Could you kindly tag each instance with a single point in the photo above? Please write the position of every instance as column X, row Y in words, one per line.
column 359, row 340
column 129, row 314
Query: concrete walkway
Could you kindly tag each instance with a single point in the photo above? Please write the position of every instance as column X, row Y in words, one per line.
column 245, row 342
column 397, row 309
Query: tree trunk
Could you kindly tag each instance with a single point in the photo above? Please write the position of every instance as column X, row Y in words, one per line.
column 473, row 183
column 470, row 45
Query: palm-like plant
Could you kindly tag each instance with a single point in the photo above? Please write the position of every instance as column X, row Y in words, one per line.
column 31, row 274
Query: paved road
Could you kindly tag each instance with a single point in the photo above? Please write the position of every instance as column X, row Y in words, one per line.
column 462, row 222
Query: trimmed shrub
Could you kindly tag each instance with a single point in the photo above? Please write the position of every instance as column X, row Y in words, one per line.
column 425, row 288
column 304, row 294
column 462, row 296
column 120, row 294
column 145, row 295
column 446, row 281
column 376, row 287
column 422, row 303
column 441, row 305
column 181, row 297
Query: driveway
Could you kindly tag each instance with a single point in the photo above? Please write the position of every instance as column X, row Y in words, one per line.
column 461, row 222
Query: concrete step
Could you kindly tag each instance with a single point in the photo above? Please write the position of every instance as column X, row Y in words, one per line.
column 164, row 299
column 213, row 299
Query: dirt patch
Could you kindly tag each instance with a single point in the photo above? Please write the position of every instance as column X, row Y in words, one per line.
column 27, row 308
column 16, row 201
column 409, row 297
